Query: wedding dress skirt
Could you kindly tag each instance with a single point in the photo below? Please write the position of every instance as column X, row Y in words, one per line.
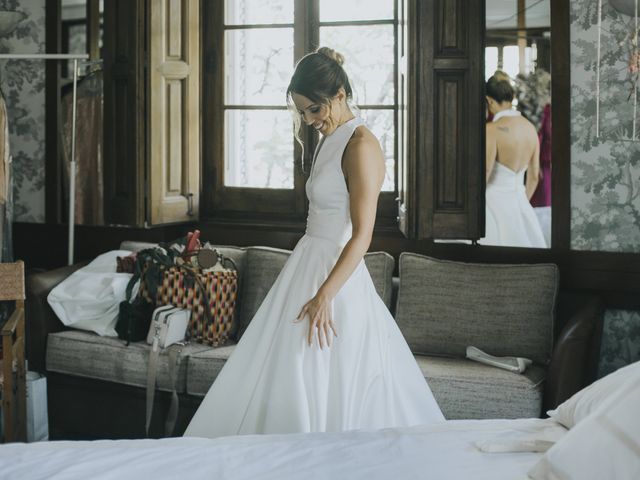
column 274, row 382
column 510, row 218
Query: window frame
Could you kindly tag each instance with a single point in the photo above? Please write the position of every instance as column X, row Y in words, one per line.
column 270, row 205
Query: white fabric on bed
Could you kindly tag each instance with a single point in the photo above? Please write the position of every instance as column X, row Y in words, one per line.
column 438, row 451
column 90, row 297
column 589, row 399
column 605, row 445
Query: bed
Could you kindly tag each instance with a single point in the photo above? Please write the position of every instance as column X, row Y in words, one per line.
column 594, row 435
column 449, row 450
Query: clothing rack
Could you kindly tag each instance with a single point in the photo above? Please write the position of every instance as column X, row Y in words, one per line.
column 72, row 166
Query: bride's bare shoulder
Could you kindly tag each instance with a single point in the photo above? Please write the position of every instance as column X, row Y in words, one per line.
column 362, row 153
column 362, row 140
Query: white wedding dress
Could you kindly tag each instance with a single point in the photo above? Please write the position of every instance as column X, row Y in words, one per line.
column 510, row 219
column 274, row 382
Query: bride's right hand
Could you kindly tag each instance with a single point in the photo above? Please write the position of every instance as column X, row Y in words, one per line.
column 319, row 311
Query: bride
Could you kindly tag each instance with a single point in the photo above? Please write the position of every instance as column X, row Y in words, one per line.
column 512, row 172
column 323, row 353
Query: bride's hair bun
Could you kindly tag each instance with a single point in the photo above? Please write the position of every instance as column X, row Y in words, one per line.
column 332, row 54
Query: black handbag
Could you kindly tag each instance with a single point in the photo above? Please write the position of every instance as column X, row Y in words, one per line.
column 134, row 320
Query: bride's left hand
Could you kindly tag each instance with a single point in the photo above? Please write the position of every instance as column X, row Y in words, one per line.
column 319, row 311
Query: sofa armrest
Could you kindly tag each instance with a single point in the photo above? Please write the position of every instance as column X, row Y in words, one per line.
column 575, row 356
column 39, row 317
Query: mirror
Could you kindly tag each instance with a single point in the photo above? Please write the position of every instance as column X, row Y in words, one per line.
column 518, row 171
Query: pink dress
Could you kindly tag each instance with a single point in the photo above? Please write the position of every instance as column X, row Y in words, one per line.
column 542, row 196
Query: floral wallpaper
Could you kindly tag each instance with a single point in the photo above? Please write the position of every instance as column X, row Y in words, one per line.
column 605, row 169
column 23, row 83
column 620, row 340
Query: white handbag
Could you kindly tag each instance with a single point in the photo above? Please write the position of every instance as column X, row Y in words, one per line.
column 168, row 326
column 168, row 329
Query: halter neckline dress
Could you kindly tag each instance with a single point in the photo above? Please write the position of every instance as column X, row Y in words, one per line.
column 510, row 218
column 274, row 382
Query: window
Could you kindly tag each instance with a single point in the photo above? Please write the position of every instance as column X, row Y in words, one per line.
column 506, row 57
column 258, row 61
column 251, row 162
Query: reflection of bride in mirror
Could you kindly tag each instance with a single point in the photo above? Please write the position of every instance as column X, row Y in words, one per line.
column 512, row 150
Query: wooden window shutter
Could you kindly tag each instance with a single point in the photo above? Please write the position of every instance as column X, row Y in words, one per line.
column 445, row 197
column 174, row 111
column 124, row 113
column 405, row 45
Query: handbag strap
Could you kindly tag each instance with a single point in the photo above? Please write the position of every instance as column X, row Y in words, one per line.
column 152, row 372
column 172, row 415
column 174, row 356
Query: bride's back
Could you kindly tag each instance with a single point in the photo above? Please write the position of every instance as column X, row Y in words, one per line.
column 516, row 140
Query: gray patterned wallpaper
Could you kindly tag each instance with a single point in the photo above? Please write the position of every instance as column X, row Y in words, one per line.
column 605, row 170
column 620, row 342
column 23, row 83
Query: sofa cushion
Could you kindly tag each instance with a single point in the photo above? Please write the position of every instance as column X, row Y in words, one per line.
column 463, row 389
column 203, row 368
column 445, row 306
column 263, row 265
column 468, row 390
column 380, row 266
column 85, row 354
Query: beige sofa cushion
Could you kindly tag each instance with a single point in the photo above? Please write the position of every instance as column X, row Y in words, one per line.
column 263, row 267
column 380, row 266
column 86, row 354
column 204, row 367
column 467, row 389
column 462, row 388
column 445, row 306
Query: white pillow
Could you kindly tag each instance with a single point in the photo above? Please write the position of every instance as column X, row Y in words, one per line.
column 587, row 400
column 89, row 298
column 606, row 445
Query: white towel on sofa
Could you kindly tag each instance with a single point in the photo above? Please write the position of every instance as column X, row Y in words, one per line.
column 89, row 298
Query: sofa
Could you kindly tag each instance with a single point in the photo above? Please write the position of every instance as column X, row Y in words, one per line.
column 96, row 385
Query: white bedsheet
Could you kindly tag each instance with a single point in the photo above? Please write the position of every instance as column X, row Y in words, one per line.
column 443, row 451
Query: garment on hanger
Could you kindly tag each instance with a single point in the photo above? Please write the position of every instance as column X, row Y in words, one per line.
column 6, row 201
column 89, row 137
column 6, row 186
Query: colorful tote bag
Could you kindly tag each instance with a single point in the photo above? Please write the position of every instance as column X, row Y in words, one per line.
column 210, row 295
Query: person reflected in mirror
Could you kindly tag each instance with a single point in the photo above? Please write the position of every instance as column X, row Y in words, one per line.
column 499, row 75
column 513, row 153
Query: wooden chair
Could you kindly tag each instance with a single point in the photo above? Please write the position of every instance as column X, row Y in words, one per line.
column 14, row 404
